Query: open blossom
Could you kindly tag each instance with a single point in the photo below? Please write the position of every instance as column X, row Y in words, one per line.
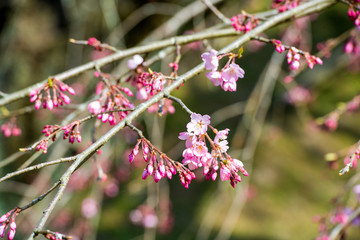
column 135, row 61
column 228, row 75
column 198, row 124
column 210, row 59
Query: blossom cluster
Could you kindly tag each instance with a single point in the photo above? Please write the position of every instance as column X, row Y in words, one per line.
column 51, row 94
column 353, row 14
column 198, row 155
column 10, row 128
column 111, row 101
column 284, row 5
column 244, row 22
column 71, row 131
column 228, row 75
column 149, row 83
column 293, row 56
column 8, row 220
column 160, row 166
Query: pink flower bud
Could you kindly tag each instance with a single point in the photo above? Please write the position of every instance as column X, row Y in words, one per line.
column 172, row 169
column 294, row 65
column 71, row 91
column 11, row 234
column 127, row 91
column 3, row 218
column 33, row 98
column 145, row 174
column 65, row 98
column 157, row 176
column 150, row 169
column 33, row 92
column 37, row 104
column 169, row 174
column 13, row 225
column 49, row 104
column 2, row 229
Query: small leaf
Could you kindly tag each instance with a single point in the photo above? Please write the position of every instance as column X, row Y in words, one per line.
column 241, row 50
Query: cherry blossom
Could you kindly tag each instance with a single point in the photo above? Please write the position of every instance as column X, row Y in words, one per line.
column 210, row 59
column 198, row 124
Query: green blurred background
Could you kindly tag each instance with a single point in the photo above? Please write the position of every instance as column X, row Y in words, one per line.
column 289, row 182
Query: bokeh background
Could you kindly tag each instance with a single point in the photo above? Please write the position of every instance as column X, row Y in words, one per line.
column 279, row 142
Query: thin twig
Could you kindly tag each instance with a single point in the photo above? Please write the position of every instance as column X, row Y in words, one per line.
column 216, row 11
column 301, row 10
column 35, row 201
column 181, row 103
column 37, row 167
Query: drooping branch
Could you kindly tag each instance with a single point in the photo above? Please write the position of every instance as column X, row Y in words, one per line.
column 302, row 10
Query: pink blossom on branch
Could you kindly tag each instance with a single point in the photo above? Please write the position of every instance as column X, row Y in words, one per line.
column 198, row 124
column 210, row 59
column 227, row 76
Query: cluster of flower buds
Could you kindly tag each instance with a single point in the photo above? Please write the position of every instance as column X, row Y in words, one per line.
column 293, row 58
column 197, row 154
column 51, row 94
column 294, row 55
column 351, row 45
column 162, row 166
column 244, row 22
column 148, row 83
column 55, row 236
column 8, row 220
column 284, row 5
column 72, row 132
column 354, row 14
column 51, row 129
column 110, row 102
column 10, row 128
column 228, row 75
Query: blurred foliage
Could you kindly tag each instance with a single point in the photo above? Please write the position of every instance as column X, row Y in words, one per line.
column 290, row 181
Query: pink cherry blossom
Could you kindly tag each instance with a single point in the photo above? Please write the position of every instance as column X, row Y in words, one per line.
column 210, row 59
column 200, row 149
column 198, row 124
column 189, row 137
column 215, row 77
